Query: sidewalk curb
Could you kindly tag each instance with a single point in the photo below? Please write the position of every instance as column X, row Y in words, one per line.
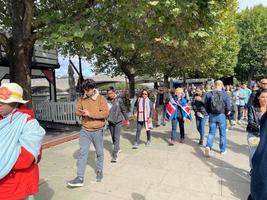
column 58, row 141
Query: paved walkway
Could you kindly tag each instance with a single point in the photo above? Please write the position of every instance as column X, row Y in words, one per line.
column 159, row 172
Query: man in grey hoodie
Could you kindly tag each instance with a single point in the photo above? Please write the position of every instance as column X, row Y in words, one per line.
column 117, row 112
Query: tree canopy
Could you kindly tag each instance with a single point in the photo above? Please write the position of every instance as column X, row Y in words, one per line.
column 252, row 27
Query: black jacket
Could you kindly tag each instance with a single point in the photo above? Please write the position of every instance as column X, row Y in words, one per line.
column 199, row 106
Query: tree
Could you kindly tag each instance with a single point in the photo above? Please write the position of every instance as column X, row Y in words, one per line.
column 252, row 27
column 197, row 39
column 17, row 38
column 220, row 50
column 25, row 21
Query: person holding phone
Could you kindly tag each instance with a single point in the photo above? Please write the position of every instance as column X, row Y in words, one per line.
column 93, row 110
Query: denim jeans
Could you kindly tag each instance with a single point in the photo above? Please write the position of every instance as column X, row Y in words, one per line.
column 200, row 123
column 86, row 138
column 174, row 128
column 220, row 121
column 251, row 147
column 240, row 110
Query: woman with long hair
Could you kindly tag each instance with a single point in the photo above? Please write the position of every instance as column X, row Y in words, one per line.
column 143, row 109
column 201, row 114
column 255, row 112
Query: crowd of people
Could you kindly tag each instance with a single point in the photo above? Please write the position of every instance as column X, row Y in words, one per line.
column 21, row 135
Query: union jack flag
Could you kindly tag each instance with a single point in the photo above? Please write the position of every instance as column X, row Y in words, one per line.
column 171, row 107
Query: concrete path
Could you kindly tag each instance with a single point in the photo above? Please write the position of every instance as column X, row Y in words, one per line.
column 159, row 172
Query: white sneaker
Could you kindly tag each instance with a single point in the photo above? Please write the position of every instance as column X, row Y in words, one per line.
column 227, row 130
column 234, row 122
column 148, row 143
column 223, row 153
column 207, row 152
column 239, row 122
column 114, row 160
column 135, row 146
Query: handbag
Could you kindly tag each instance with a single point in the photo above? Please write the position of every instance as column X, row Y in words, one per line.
column 253, row 128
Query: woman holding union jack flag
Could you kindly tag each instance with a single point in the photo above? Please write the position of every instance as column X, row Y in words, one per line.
column 177, row 111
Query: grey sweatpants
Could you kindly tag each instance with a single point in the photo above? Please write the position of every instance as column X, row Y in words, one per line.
column 86, row 138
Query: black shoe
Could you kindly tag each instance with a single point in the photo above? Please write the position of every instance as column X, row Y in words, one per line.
column 77, row 182
column 200, row 143
column 164, row 124
column 99, row 176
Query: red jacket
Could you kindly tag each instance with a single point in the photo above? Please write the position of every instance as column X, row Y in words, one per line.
column 23, row 179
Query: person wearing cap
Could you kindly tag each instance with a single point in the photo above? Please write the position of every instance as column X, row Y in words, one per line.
column 20, row 143
column 93, row 110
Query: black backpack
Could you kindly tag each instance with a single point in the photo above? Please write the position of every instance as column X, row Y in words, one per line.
column 216, row 103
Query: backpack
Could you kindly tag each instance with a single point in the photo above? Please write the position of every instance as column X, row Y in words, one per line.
column 216, row 105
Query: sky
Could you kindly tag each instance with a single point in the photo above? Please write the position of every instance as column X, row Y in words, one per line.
column 87, row 68
column 243, row 4
column 64, row 63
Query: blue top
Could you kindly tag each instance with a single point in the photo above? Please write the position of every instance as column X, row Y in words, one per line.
column 239, row 97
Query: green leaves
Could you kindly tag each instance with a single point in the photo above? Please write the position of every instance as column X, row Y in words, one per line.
column 153, row 3
column 252, row 27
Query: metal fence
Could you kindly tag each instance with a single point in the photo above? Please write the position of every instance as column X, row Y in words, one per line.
column 60, row 112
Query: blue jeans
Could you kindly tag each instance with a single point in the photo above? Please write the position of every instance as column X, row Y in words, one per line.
column 220, row 121
column 86, row 138
column 200, row 123
column 174, row 128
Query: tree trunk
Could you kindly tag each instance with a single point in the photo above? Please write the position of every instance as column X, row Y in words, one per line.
column 21, row 45
column 166, row 80
column 131, row 78
column 129, row 72
column 184, row 79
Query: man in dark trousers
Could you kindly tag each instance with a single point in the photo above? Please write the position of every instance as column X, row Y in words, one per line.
column 117, row 112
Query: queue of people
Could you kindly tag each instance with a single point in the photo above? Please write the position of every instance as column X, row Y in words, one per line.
column 21, row 135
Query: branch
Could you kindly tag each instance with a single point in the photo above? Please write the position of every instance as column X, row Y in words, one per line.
column 4, row 41
column 28, row 17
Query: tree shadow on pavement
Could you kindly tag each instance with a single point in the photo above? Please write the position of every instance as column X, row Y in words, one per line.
column 234, row 178
column 137, row 196
column 164, row 135
column 130, row 136
column 45, row 192
column 237, row 148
